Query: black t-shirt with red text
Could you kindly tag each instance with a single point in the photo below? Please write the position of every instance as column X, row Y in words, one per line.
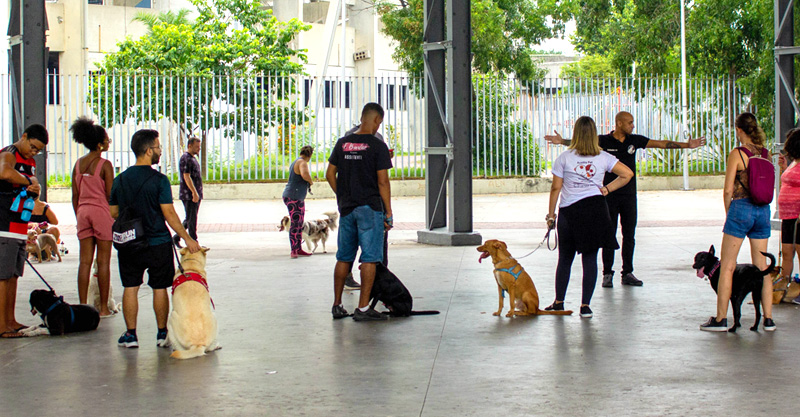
column 11, row 223
column 357, row 159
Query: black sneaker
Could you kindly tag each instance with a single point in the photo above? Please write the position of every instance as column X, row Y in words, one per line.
column 556, row 306
column 712, row 325
column 339, row 312
column 161, row 339
column 629, row 279
column 769, row 325
column 608, row 280
column 369, row 315
column 177, row 241
column 586, row 312
column 351, row 283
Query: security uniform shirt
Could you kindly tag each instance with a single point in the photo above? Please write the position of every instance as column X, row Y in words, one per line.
column 625, row 152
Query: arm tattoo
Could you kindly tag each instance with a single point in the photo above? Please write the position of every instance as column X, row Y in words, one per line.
column 673, row 145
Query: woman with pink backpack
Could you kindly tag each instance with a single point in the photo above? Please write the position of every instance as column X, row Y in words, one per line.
column 749, row 186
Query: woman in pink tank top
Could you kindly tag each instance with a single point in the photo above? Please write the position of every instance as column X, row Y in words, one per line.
column 91, row 188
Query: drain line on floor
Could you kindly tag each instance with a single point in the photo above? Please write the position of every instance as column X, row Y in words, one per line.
column 441, row 335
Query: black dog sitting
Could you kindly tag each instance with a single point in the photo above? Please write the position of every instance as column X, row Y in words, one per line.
column 747, row 278
column 388, row 289
column 59, row 317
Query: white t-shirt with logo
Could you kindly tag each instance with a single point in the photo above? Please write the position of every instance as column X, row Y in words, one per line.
column 583, row 175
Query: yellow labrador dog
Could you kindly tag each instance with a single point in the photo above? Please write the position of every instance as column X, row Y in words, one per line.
column 192, row 325
column 511, row 277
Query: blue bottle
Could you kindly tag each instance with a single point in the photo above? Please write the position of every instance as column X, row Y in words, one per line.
column 27, row 209
column 796, row 278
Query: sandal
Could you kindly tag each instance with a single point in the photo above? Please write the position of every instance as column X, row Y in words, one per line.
column 11, row 335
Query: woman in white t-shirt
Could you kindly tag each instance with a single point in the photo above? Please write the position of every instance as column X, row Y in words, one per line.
column 584, row 225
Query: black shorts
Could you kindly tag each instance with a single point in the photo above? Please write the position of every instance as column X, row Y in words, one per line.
column 787, row 227
column 157, row 260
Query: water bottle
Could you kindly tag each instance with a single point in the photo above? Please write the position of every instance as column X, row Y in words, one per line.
column 796, row 278
column 27, row 209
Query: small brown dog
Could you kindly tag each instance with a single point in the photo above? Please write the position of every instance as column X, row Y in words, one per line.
column 511, row 277
column 44, row 242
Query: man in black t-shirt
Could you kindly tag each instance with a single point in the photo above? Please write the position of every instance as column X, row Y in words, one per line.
column 622, row 204
column 147, row 193
column 358, row 174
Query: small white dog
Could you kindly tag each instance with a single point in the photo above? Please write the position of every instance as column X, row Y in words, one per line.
column 192, row 325
column 94, row 293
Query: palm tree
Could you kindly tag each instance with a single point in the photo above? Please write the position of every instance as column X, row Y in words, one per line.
column 169, row 17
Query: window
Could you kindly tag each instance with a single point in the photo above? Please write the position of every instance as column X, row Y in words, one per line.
column 307, row 84
column 53, row 86
column 404, row 97
column 332, row 94
column 97, row 2
column 144, row 4
column 390, row 95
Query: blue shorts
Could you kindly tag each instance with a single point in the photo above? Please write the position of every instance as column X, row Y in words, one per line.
column 362, row 227
column 746, row 219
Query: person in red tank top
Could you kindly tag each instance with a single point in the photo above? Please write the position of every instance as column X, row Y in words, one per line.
column 92, row 179
column 17, row 174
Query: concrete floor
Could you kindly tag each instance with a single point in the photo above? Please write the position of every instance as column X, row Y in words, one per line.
column 641, row 354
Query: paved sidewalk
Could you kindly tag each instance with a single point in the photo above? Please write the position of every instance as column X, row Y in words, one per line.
column 283, row 355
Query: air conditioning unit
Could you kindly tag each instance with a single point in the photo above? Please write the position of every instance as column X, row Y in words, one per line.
column 361, row 55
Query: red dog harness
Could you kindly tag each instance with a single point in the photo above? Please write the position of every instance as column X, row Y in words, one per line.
column 191, row 276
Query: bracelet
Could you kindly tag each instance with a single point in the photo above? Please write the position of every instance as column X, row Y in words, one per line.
column 29, row 179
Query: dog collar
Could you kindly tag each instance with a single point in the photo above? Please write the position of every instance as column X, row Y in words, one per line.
column 714, row 269
column 191, row 276
column 509, row 270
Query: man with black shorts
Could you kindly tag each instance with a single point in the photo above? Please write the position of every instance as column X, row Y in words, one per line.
column 358, row 174
column 191, row 188
column 17, row 174
column 622, row 203
column 147, row 193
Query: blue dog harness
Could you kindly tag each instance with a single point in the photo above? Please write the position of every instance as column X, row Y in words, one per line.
column 56, row 304
column 512, row 273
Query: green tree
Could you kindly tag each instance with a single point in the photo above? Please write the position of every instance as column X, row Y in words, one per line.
column 232, row 68
column 504, row 33
column 169, row 17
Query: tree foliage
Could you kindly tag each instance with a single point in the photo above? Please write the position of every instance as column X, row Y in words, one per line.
column 204, row 74
column 504, row 33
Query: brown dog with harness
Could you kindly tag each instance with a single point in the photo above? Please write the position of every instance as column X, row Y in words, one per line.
column 511, row 277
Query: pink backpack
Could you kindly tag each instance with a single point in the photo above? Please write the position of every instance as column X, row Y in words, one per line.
column 761, row 177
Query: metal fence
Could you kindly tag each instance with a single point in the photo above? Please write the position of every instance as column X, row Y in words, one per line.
column 253, row 126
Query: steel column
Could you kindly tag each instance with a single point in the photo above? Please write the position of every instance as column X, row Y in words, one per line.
column 28, row 64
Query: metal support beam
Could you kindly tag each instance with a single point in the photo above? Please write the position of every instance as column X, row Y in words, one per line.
column 786, row 111
column 448, row 76
column 28, row 66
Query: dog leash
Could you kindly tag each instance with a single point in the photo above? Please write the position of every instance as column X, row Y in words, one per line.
column 545, row 241
column 40, row 275
column 175, row 251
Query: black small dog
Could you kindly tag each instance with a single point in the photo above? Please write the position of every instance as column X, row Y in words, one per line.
column 59, row 317
column 747, row 278
column 388, row 289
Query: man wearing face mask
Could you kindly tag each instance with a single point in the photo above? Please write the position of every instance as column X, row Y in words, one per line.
column 147, row 193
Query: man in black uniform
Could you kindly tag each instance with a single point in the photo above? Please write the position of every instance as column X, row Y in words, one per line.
column 622, row 143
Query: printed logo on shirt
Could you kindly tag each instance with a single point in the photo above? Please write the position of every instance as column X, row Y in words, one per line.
column 354, row 147
column 586, row 170
column 631, row 149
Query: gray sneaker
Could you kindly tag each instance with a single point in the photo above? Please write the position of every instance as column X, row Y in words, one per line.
column 608, row 280
column 339, row 312
column 351, row 283
column 369, row 315
column 630, row 279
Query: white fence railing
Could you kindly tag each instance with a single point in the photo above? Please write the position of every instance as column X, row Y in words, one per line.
column 253, row 126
